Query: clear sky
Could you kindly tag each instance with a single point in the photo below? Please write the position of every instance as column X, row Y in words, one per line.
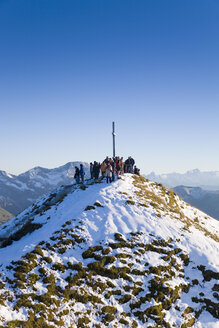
column 68, row 68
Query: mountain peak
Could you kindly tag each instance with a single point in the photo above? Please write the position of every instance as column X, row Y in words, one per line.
column 5, row 174
column 32, row 173
column 194, row 171
column 128, row 253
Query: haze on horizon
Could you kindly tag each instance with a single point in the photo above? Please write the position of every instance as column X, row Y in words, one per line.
column 163, row 174
column 68, row 69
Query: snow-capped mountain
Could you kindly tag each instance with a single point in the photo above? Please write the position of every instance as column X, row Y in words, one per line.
column 206, row 201
column 194, row 178
column 128, row 254
column 18, row 192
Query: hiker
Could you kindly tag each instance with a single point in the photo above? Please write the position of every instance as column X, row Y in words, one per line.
column 103, row 169
column 112, row 163
column 96, row 170
column 109, row 171
column 82, row 173
column 106, row 160
column 118, row 168
column 121, row 165
column 129, row 163
column 127, row 166
column 77, row 174
column 132, row 163
column 91, row 170
column 136, row 170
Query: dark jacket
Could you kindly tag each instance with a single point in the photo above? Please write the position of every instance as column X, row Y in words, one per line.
column 82, row 170
column 77, row 172
column 96, row 169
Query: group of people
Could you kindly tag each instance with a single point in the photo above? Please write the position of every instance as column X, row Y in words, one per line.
column 109, row 169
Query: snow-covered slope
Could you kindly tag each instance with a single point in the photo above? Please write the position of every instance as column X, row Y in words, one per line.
column 194, row 178
column 18, row 192
column 129, row 254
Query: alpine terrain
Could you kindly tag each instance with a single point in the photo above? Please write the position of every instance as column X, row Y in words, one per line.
column 127, row 254
column 17, row 192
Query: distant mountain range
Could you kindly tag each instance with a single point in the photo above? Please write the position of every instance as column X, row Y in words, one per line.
column 208, row 180
column 17, row 192
column 200, row 189
column 207, row 201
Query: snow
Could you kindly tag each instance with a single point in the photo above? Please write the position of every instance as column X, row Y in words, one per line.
column 101, row 223
column 9, row 315
column 4, row 174
column 112, row 218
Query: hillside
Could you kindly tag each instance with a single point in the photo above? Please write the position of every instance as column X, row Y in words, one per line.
column 129, row 254
column 4, row 216
column 17, row 192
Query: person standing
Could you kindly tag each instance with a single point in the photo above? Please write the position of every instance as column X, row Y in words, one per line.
column 103, row 169
column 127, row 166
column 109, row 171
column 132, row 163
column 121, row 164
column 82, row 173
column 106, row 160
column 96, row 170
column 91, row 170
column 118, row 169
column 77, row 174
column 112, row 163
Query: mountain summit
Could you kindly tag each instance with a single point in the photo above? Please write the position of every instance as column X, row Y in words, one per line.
column 128, row 254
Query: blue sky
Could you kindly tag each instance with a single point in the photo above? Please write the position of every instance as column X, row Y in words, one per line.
column 69, row 68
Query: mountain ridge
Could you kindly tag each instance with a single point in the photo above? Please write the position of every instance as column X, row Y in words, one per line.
column 19, row 191
column 131, row 253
